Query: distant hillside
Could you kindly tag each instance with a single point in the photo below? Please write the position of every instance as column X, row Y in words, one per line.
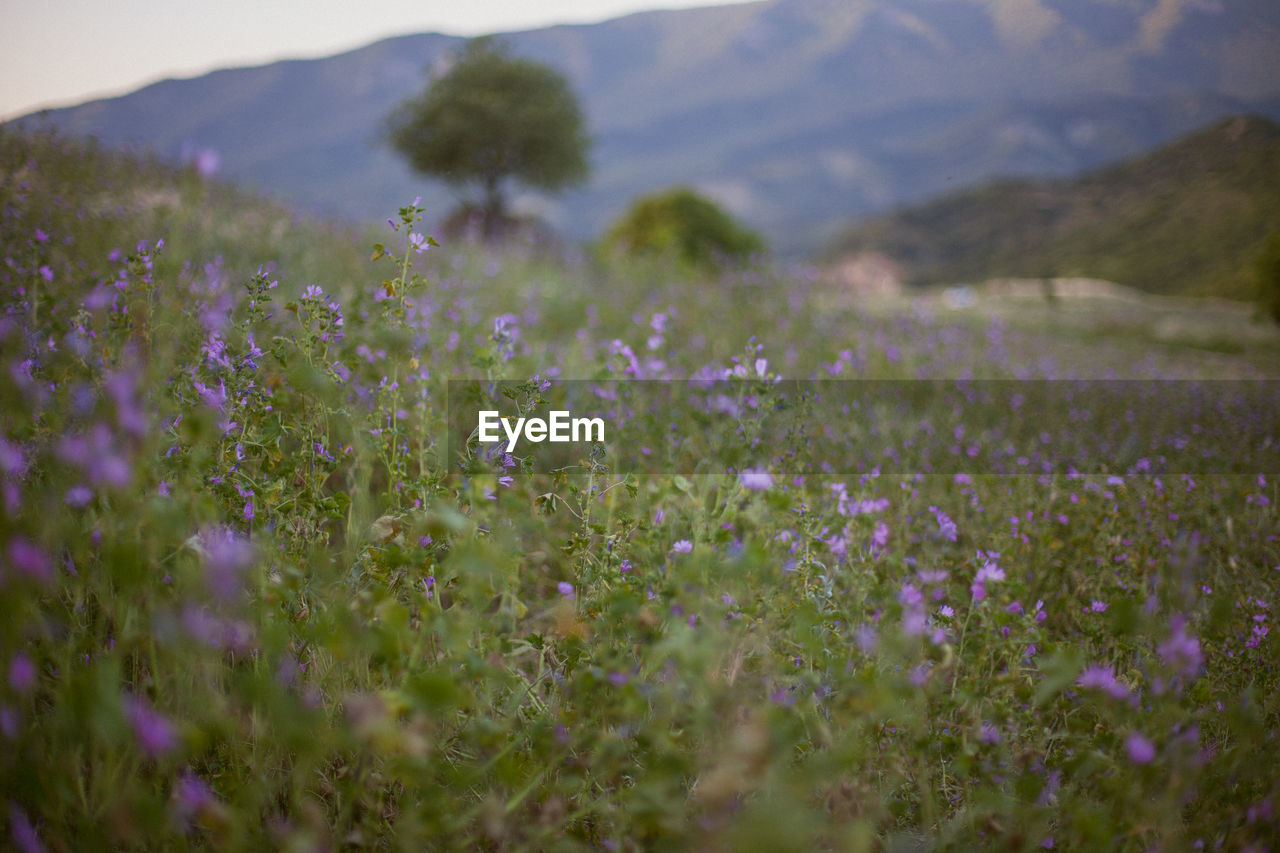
column 95, row 203
column 792, row 113
column 1188, row 218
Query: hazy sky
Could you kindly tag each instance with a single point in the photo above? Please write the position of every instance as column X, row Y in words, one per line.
column 60, row 52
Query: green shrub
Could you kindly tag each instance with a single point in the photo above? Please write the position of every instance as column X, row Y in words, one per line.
column 686, row 226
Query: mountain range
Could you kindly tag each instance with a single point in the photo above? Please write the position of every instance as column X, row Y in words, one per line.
column 797, row 115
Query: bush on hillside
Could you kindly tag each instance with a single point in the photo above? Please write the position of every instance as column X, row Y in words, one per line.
column 689, row 227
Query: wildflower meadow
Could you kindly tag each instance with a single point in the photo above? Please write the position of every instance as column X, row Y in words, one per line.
column 256, row 592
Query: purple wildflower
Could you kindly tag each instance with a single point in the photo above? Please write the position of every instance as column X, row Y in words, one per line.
column 226, row 556
column 1140, row 749
column 23, row 832
column 22, row 673
column 78, row 496
column 913, row 617
column 756, row 479
column 566, row 589
column 1103, row 678
column 155, row 734
column 191, row 796
column 946, row 527
column 683, row 546
column 989, row 572
column 27, row 558
column 1181, row 651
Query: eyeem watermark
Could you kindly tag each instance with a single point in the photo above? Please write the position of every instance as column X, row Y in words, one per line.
column 558, row 427
column 867, row 427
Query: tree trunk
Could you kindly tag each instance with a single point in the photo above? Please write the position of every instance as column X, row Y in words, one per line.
column 493, row 211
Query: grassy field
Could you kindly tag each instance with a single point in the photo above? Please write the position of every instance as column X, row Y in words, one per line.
column 248, row 602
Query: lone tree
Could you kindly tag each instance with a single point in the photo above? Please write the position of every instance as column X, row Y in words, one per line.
column 491, row 117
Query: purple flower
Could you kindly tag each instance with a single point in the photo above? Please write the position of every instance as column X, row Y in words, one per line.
column 880, row 537
column 946, row 527
column 25, row 837
column 989, row 572
column 1181, row 651
column 1141, row 750
column 191, row 796
column 683, row 546
column 27, row 558
column 566, row 589
column 8, row 722
column 122, row 386
column 989, row 734
column 78, row 496
column 11, row 461
column 22, row 673
column 155, row 734
column 756, row 480
column 226, row 557
column 913, row 618
column 1097, row 606
column 1103, row 678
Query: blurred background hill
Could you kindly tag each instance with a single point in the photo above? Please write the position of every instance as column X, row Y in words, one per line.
column 797, row 115
column 1187, row 219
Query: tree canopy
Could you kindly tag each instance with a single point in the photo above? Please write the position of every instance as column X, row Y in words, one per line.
column 493, row 117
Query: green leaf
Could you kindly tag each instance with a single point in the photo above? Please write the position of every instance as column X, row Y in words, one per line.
column 1060, row 670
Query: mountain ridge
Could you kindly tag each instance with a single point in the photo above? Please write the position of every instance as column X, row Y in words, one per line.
column 793, row 113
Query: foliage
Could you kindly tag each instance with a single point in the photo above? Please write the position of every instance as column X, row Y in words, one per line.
column 245, row 602
column 1267, row 270
column 684, row 225
column 1175, row 221
column 492, row 117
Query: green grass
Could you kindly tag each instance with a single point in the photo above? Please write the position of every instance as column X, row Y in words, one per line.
column 248, row 603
